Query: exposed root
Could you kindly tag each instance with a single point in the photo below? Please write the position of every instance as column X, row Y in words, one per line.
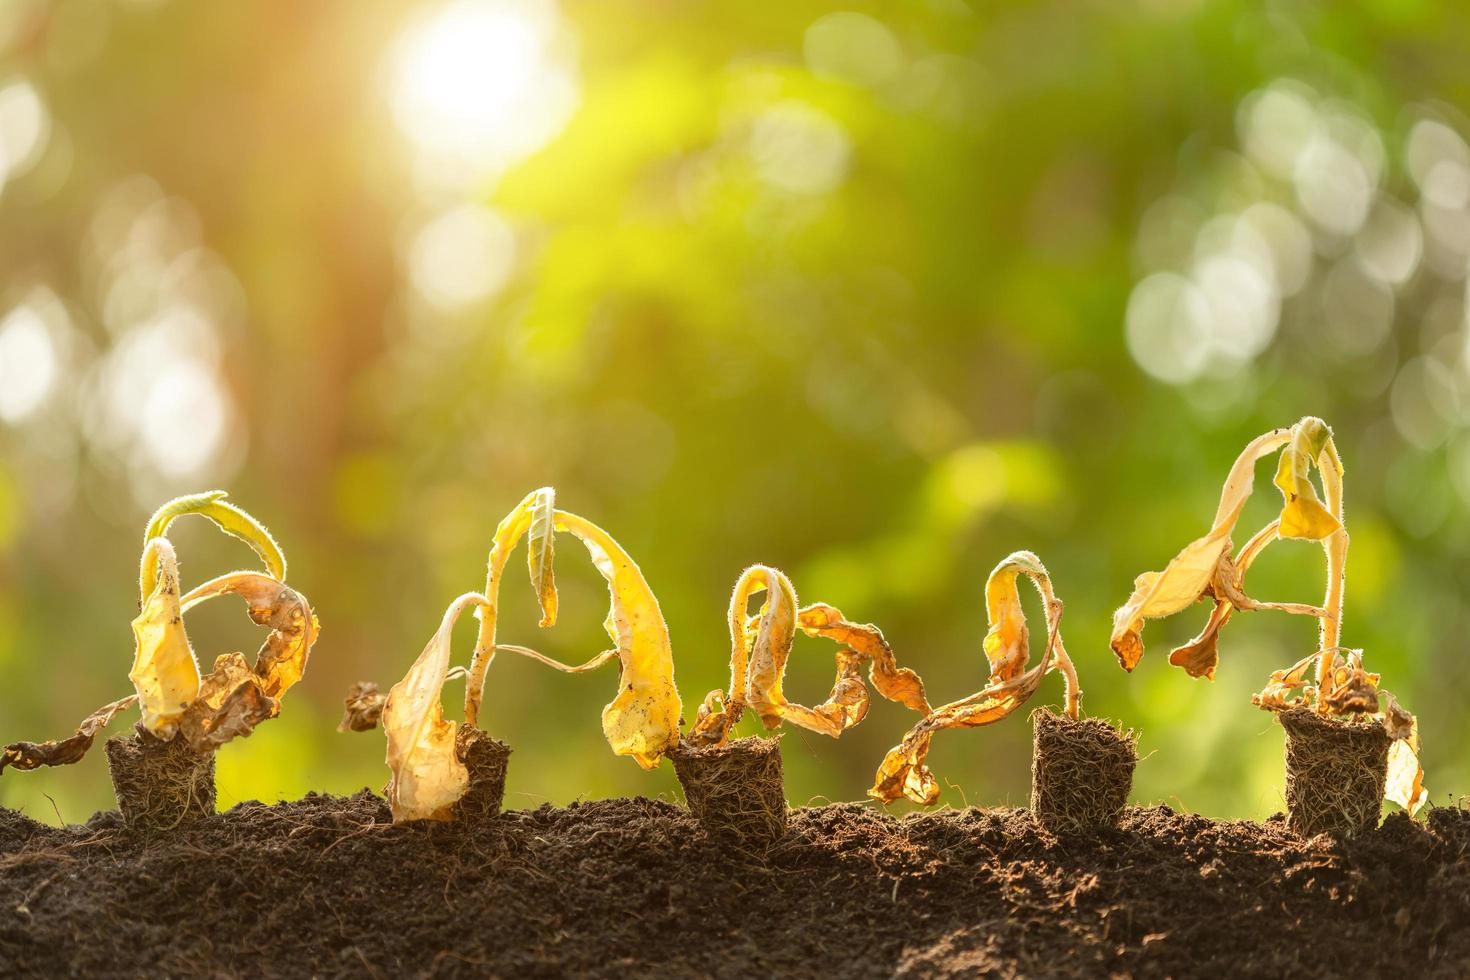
column 735, row 790
column 1081, row 772
column 160, row 785
column 1335, row 773
column 487, row 759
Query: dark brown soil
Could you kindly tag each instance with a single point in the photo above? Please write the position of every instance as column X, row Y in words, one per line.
column 326, row 886
column 735, row 790
column 1081, row 772
column 160, row 785
column 1335, row 772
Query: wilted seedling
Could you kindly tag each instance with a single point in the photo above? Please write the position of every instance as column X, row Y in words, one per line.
column 904, row 772
column 165, row 771
column 441, row 768
column 735, row 787
column 1326, row 702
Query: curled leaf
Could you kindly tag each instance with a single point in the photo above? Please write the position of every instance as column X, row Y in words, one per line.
column 895, row 683
column 642, row 721
column 229, row 518
column 903, row 771
column 761, row 646
column 293, row 626
column 165, row 673
column 363, row 708
column 64, row 751
column 428, row 777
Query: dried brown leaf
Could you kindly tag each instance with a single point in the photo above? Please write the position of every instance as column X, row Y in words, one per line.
column 64, row 751
column 363, row 708
column 231, row 702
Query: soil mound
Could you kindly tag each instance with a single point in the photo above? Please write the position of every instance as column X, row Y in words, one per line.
column 327, row 886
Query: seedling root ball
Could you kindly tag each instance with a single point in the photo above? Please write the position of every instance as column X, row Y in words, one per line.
column 1335, row 773
column 735, row 790
column 160, row 784
column 1081, row 772
column 487, row 759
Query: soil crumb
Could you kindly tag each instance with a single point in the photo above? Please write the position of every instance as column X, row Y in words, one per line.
column 1081, row 772
column 327, row 886
column 735, row 790
column 160, row 785
column 1335, row 773
column 487, row 759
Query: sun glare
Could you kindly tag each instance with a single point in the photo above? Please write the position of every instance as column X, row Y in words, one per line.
column 481, row 84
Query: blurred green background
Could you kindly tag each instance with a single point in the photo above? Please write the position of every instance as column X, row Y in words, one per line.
column 875, row 295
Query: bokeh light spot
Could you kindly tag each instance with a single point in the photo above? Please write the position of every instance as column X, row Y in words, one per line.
column 800, row 149
column 28, row 363
column 462, row 257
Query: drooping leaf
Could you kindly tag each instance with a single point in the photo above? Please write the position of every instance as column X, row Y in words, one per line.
column 165, row 673
column 903, row 771
column 508, row 534
column 1303, row 514
column 540, row 553
column 428, row 777
column 64, row 751
column 1184, row 580
column 229, row 518
column 643, row 720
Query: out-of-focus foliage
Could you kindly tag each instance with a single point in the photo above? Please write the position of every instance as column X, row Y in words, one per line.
column 876, row 295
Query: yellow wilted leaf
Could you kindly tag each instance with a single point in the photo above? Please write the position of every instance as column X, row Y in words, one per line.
column 903, row 771
column 428, row 777
column 1183, row 580
column 507, row 535
column 643, row 720
column 540, row 553
column 761, row 646
column 165, row 673
column 1302, row 513
column 229, row 518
